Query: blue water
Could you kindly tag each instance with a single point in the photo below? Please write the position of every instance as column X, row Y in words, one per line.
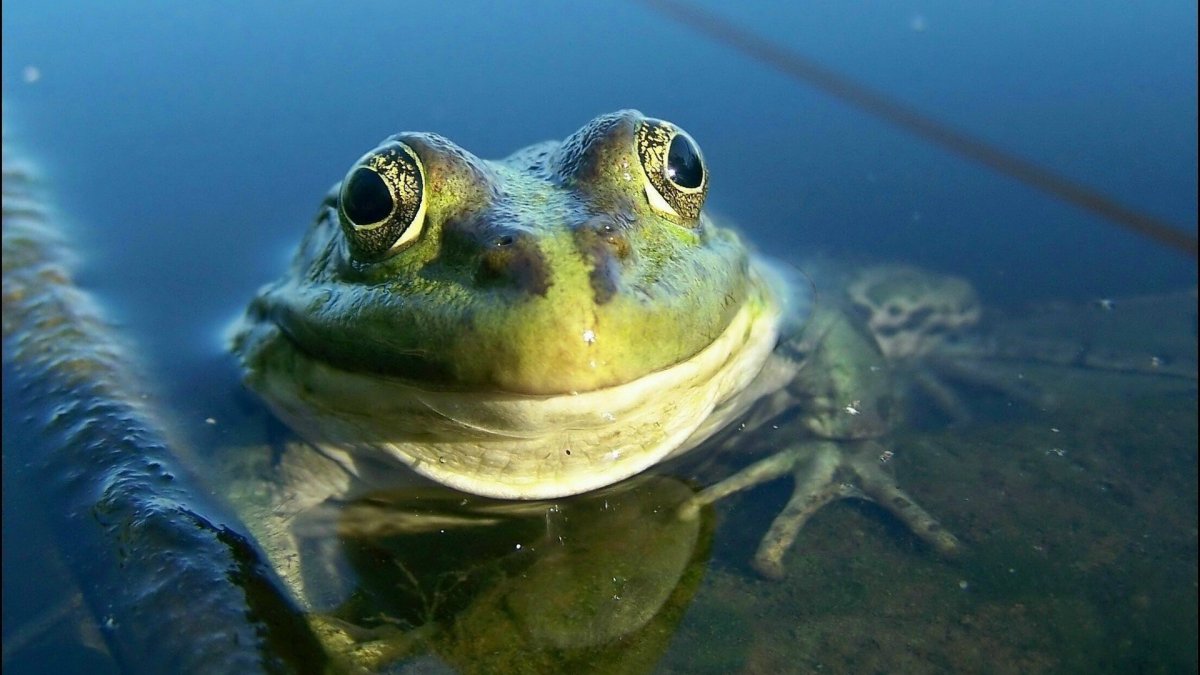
column 200, row 137
column 190, row 143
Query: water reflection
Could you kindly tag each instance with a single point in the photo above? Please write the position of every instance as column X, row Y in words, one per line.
column 595, row 583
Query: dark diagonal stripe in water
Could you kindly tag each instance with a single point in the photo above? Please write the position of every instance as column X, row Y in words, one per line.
column 883, row 107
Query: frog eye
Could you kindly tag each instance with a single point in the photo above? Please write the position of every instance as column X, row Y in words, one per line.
column 676, row 177
column 382, row 202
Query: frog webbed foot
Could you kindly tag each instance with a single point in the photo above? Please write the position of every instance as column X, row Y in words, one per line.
column 823, row 472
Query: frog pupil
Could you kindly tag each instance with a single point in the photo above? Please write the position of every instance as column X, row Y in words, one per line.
column 366, row 198
column 683, row 163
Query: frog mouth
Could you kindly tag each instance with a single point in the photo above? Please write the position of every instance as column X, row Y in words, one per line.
column 524, row 345
column 508, row 445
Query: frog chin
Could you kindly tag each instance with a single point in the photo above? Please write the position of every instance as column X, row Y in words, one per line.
column 516, row 446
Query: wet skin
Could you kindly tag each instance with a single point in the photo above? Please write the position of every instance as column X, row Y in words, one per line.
column 534, row 327
column 558, row 321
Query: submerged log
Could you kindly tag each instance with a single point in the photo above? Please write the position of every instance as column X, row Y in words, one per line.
column 168, row 572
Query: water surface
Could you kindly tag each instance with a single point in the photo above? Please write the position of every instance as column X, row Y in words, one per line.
column 189, row 145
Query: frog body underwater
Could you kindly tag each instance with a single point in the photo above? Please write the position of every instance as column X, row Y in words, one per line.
column 554, row 323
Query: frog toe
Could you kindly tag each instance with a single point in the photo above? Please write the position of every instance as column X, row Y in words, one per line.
column 881, row 488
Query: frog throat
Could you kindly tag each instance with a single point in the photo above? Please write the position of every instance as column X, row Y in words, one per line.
column 516, row 446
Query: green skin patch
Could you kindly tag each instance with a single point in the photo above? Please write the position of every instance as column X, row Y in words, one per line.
column 541, row 326
column 549, row 272
column 566, row 318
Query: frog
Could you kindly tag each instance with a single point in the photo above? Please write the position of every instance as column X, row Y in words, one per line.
column 464, row 357
column 554, row 323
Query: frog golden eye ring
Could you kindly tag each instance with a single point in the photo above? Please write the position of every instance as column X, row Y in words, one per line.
column 381, row 204
column 676, row 176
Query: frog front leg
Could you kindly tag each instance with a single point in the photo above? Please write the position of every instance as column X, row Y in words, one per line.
column 823, row 472
column 843, row 389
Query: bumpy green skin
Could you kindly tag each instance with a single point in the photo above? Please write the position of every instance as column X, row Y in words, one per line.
column 564, row 269
column 548, row 272
column 844, row 386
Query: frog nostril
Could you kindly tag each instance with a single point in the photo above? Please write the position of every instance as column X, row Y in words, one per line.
column 601, row 236
column 513, row 262
column 620, row 244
